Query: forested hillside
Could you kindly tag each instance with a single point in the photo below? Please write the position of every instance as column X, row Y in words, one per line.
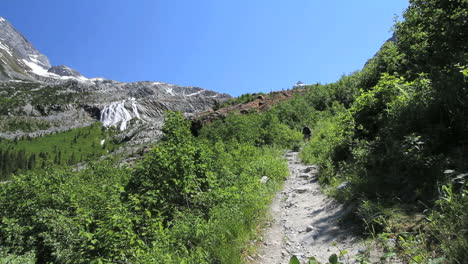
column 393, row 136
column 64, row 148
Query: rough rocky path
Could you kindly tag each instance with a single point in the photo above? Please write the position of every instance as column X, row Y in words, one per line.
column 305, row 222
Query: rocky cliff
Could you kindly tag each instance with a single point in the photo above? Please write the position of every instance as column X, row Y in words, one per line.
column 57, row 98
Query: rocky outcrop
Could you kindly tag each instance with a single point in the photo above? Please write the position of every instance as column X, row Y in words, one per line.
column 31, row 88
column 261, row 103
column 16, row 52
column 63, row 70
column 19, row 60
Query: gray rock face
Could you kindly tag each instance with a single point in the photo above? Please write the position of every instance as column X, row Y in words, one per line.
column 71, row 103
column 16, row 52
column 22, row 47
column 61, row 98
column 19, row 60
column 63, row 70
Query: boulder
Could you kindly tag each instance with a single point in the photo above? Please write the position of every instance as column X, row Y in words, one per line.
column 302, row 189
column 313, row 169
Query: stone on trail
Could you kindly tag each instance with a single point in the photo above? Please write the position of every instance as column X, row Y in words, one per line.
column 306, row 221
column 313, row 169
column 302, row 189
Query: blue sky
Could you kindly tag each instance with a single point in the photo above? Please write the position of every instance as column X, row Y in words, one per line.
column 232, row 46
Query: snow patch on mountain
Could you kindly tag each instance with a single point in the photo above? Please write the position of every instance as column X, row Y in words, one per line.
column 38, row 69
column 170, row 91
column 116, row 114
column 199, row 92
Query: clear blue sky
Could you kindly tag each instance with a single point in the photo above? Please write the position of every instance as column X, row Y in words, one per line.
column 232, row 46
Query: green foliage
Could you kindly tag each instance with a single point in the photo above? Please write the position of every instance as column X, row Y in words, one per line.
column 433, row 35
column 189, row 201
column 175, row 172
column 294, row 260
column 242, row 99
column 330, row 142
column 59, row 213
column 448, row 224
column 254, row 129
column 387, row 60
column 402, row 137
column 28, row 258
column 276, row 133
column 433, row 40
column 405, row 127
column 390, row 131
column 63, row 148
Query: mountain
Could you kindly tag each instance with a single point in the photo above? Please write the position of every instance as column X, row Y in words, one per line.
column 19, row 59
column 52, row 99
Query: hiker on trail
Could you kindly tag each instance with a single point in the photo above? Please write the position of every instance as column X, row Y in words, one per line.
column 307, row 132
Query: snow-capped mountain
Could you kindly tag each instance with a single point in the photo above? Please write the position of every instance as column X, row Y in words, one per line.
column 62, row 98
column 19, row 59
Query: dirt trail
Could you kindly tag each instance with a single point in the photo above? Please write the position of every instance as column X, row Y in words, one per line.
column 305, row 222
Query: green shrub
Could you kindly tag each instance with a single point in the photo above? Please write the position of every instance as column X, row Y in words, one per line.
column 448, row 223
column 175, row 173
column 330, row 142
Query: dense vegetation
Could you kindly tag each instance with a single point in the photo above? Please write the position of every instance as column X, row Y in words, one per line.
column 191, row 200
column 402, row 144
column 64, row 148
column 395, row 132
column 242, row 99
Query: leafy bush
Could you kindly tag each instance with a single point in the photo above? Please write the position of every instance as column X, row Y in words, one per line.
column 56, row 214
column 391, row 130
column 175, row 173
column 448, row 223
column 255, row 129
column 330, row 142
column 242, row 99
column 190, row 200
column 406, row 126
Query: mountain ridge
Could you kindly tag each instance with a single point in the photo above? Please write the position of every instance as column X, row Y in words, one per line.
column 62, row 99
